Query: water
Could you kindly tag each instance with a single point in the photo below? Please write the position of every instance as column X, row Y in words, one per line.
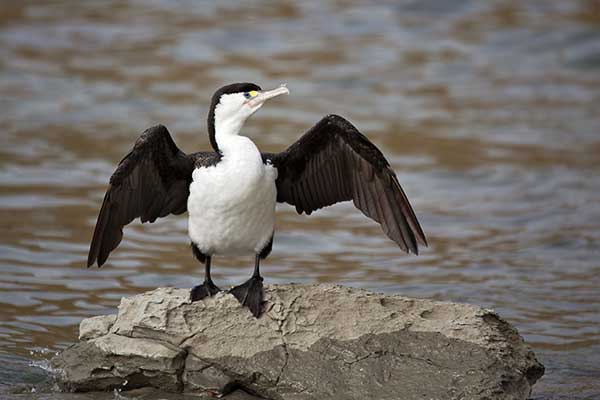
column 488, row 112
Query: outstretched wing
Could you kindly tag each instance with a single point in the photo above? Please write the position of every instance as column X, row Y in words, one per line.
column 152, row 181
column 334, row 162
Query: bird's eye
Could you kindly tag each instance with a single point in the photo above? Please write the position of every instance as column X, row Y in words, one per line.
column 251, row 94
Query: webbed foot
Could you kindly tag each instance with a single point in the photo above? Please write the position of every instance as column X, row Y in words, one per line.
column 208, row 288
column 250, row 294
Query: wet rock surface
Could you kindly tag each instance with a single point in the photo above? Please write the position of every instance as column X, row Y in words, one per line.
column 312, row 341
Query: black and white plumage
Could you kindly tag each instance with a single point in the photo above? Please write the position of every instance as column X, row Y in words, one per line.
column 230, row 192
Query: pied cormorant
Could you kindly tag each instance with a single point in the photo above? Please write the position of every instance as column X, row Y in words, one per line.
column 230, row 193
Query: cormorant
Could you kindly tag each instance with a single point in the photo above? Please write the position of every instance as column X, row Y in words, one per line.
column 230, row 192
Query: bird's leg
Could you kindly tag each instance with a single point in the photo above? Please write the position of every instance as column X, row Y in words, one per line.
column 208, row 288
column 250, row 293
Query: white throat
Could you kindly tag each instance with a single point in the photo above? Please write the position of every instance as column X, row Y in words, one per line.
column 226, row 131
column 227, row 128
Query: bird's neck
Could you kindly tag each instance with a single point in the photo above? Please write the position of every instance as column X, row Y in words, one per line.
column 227, row 135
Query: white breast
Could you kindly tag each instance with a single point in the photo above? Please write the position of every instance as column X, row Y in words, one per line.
column 232, row 205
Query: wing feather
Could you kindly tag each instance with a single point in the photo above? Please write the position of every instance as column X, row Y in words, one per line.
column 334, row 162
column 151, row 181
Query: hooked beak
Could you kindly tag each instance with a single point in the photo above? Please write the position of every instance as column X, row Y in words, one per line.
column 265, row 95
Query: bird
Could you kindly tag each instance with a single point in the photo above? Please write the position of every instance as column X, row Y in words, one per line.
column 231, row 191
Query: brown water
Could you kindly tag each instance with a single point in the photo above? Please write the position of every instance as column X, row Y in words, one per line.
column 489, row 112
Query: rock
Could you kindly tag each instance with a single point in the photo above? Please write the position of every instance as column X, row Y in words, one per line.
column 94, row 327
column 112, row 361
column 313, row 341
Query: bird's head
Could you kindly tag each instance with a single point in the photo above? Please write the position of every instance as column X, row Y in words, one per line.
column 232, row 105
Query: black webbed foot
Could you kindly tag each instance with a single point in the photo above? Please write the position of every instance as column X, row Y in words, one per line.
column 208, row 288
column 250, row 294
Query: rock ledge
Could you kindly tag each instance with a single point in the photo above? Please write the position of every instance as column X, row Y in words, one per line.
column 313, row 341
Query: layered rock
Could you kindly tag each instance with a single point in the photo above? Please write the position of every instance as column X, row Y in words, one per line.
column 312, row 341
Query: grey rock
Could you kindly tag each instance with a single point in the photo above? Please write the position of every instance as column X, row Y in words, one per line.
column 313, row 341
column 91, row 328
column 118, row 362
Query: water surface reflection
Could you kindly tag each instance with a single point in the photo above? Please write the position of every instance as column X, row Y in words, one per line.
column 487, row 110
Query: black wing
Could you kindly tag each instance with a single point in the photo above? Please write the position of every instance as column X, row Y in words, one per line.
column 334, row 162
column 152, row 181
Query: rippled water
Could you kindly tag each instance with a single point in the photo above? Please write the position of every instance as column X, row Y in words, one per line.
column 488, row 111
